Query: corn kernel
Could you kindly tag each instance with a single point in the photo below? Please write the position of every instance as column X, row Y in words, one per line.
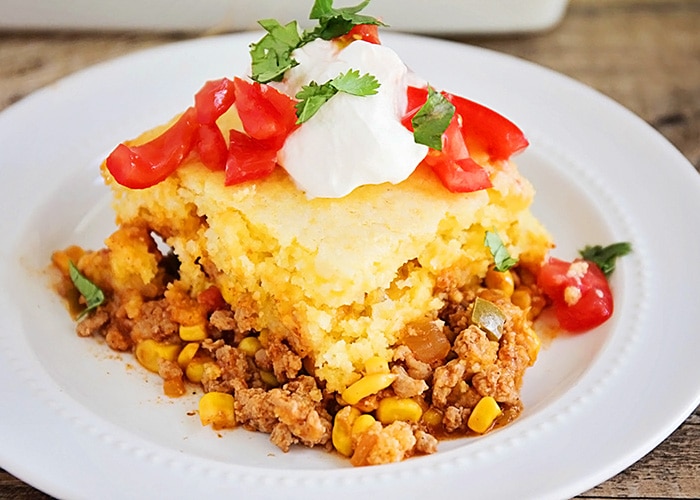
column 187, row 354
column 376, row 364
column 250, row 345
column 392, row 409
column 366, row 386
column 173, row 387
column 521, row 298
column 484, row 414
column 341, row 434
column 195, row 368
column 362, row 423
column 149, row 352
column 264, row 336
column 193, row 333
column 432, row 417
column 502, row 281
column 216, row 409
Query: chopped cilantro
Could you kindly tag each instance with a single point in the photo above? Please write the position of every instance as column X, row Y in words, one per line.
column 502, row 259
column 604, row 257
column 432, row 119
column 313, row 96
column 92, row 294
column 272, row 55
column 333, row 22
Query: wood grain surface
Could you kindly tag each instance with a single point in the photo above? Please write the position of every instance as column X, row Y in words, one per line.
column 644, row 54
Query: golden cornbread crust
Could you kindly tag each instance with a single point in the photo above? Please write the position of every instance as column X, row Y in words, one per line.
column 388, row 272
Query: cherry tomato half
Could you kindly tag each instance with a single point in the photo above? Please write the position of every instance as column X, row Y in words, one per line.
column 579, row 291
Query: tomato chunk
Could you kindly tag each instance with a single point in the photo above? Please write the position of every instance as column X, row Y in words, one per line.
column 214, row 99
column 487, row 131
column 416, row 97
column 249, row 158
column 366, row 32
column 453, row 166
column 211, row 146
column 140, row 167
column 579, row 291
column 266, row 113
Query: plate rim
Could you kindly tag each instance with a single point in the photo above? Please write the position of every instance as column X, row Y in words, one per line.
column 691, row 404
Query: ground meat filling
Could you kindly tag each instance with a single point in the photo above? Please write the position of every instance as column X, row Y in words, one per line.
column 441, row 368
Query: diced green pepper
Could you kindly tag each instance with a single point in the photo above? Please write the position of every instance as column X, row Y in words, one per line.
column 489, row 317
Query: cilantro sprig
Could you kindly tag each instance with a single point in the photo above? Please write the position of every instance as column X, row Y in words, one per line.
column 312, row 96
column 605, row 257
column 333, row 22
column 93, row 295
column 272, row 55
column 432, row 119
column 502, row 259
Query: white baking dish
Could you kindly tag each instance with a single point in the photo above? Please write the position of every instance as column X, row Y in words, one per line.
column 420, row 16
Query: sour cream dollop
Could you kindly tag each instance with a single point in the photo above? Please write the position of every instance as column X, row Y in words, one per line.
column 351, row 141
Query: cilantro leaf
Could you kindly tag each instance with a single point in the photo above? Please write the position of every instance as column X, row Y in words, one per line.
column 354, row 84
column 92, row 294
column 337, row 22
column 312, row 96
column 502, row 259
column 432, row 119
column 604, row 257
column 272, row 55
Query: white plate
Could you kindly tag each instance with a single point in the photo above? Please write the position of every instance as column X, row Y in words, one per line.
column 75, row 422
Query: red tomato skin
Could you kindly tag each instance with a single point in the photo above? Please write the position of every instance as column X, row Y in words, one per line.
column 145, row 165
column 249, row 158
column 458, row 176
column 266, row 114
column 214, row 99
column 365, row 32
column 416, row 97
column 486, row 130
column 211, row 146
column 595, row 305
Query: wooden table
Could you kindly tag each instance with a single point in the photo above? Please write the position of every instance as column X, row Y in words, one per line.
column 643, row 53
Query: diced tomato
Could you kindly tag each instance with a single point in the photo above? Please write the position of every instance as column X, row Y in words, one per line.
column 487, row 131
column 211, row 146
column 214, row 99
column 139, row 167
column 579, row 291
column 416, row 97
column 367, row 32
column 453, row 166
column 249, row 158
column 266, row 114
column 458, row 176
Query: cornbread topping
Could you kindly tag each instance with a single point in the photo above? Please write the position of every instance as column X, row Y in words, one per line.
column 372, row 308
